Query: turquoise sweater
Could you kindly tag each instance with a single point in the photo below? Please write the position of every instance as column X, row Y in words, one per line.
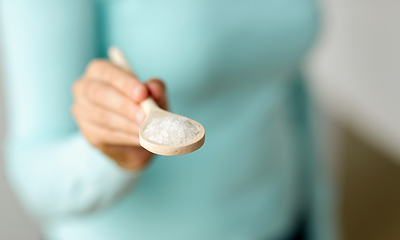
column 231, row 65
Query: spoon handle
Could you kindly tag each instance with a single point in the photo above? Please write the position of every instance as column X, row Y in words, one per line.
column 118, row 58
column 148, row 104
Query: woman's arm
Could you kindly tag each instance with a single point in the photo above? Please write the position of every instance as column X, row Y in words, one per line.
column 45, row 47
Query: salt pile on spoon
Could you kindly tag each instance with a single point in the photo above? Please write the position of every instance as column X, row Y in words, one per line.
column 170, row 130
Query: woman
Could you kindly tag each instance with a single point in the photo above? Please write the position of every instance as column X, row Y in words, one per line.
column 234, row 66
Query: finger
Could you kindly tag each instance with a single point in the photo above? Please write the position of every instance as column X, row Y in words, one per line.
column 100, row 136
column 106, row 118
column 126, row 83
column 107, row 97
column 156, row 89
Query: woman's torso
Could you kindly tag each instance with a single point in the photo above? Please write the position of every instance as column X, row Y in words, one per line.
column 229, row 65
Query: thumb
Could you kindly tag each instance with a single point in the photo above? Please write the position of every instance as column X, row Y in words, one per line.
column 157, row 89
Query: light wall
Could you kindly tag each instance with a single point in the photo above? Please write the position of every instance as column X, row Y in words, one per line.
column 355, row 68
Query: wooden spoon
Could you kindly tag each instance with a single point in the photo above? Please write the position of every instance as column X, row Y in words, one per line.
column 152, row 111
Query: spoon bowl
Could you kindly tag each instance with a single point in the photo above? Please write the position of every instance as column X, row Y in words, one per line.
column 152, row 111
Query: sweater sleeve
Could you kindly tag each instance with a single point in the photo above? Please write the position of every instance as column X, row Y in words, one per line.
column 53, row 170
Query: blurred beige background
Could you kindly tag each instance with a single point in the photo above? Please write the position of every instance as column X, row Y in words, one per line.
column 355, row 75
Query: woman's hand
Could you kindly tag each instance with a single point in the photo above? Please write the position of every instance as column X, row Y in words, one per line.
column 106, row 108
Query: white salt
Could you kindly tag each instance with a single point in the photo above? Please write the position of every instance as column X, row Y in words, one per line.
column 170, row 130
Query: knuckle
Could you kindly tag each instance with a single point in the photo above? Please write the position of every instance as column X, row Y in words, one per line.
column 77, row 87
column 94, row 64
column 101, row 115
column 108, row 74
column 125, row 107
column 127, row 85
column 101, row 67
column 95, row 91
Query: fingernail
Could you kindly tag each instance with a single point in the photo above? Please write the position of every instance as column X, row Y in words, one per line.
column 139, row 117
column 138, row 92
